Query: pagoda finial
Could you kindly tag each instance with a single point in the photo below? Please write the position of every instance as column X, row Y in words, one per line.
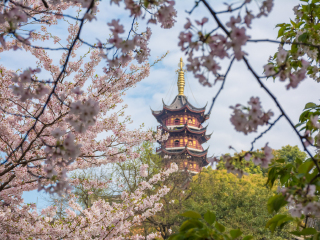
column 181, row 78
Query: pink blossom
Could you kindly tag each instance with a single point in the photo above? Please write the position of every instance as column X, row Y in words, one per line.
column 188, row 24
column 143, row 170
column 233, row 21
column 117, row 28
column 203, row 21
column 248, row 19
column 315, row 121
column 281, row 56
column 269, row 70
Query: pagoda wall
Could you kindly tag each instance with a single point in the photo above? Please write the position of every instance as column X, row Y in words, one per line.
column 186, row 164
column 183, row 141
column 182, row 119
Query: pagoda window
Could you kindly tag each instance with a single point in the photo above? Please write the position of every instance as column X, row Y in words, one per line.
column 190, row 142
column 177, row 121
column 190, row 120
column 176, row 143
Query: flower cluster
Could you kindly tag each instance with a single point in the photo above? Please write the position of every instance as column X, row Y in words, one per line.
column 265, row 160
column 51, row 128
column 248, row 119
column 229, row 165
column 144, row 170
column 25, row 88
column 214, row 45
column 283, row 70
column 166, row 15
column 302, row 201
column 14, row 17
column 85, row 112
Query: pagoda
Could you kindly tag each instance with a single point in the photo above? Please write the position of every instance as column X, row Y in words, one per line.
column 183, row 122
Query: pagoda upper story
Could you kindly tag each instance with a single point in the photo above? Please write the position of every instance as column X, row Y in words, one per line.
column 183, row 122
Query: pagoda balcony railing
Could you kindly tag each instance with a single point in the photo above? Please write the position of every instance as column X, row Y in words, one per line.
column 181, row 123
column 180, row 145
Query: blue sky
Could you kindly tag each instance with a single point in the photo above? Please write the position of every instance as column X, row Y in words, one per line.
column 239, row 87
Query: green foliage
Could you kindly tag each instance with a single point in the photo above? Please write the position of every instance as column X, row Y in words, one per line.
column 289, row 153
column 247, row 167
column 238, row 203
column 310, row 110
column 127, row 174
column 302, row 34
column 205, row 228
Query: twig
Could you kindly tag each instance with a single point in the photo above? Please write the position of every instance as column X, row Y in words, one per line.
column 221, row 87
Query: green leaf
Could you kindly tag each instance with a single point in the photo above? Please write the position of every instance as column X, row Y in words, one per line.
column 303, row 116
column 305, row 232
column 281, row 31
column 189, row 224
column 316, row 236
column 308, row 231
column 284, row 178
column 305, row 167
column 220, row 227
column 294, row 48
column 293, row 23
column 273, row 222
column 317, row 26
column 235, row 233
column 303, row 37
column 191, row 214
column 310, row 105
column 146, row 4
column 276, row 218
column 247, row 238
column 210, row 217
column 275, row 203
column 272, row 175
column 280, row 160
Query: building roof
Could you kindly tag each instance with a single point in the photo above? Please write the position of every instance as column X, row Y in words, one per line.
column 186, row 127
column 190, row 152
column 179, row 103
column 205, row 138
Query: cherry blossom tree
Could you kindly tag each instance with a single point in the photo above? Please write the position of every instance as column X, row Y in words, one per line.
column 50, row 127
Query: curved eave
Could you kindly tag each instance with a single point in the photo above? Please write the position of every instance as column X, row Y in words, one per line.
column 156, row 113
column 186, row 150
column 183, row 108
column 190, row 130
column 205, row 138
column 204, row 161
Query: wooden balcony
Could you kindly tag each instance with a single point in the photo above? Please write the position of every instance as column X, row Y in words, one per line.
column 181, row 123
column 180, row 145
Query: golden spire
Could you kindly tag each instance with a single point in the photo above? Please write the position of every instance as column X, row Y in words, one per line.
column 181, row 78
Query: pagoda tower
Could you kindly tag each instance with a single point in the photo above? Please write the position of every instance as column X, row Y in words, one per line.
column 183, row 122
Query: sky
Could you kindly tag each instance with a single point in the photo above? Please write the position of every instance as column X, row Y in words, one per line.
column 239, row 87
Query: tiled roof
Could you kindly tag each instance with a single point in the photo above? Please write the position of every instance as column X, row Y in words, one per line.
column 181, row 101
